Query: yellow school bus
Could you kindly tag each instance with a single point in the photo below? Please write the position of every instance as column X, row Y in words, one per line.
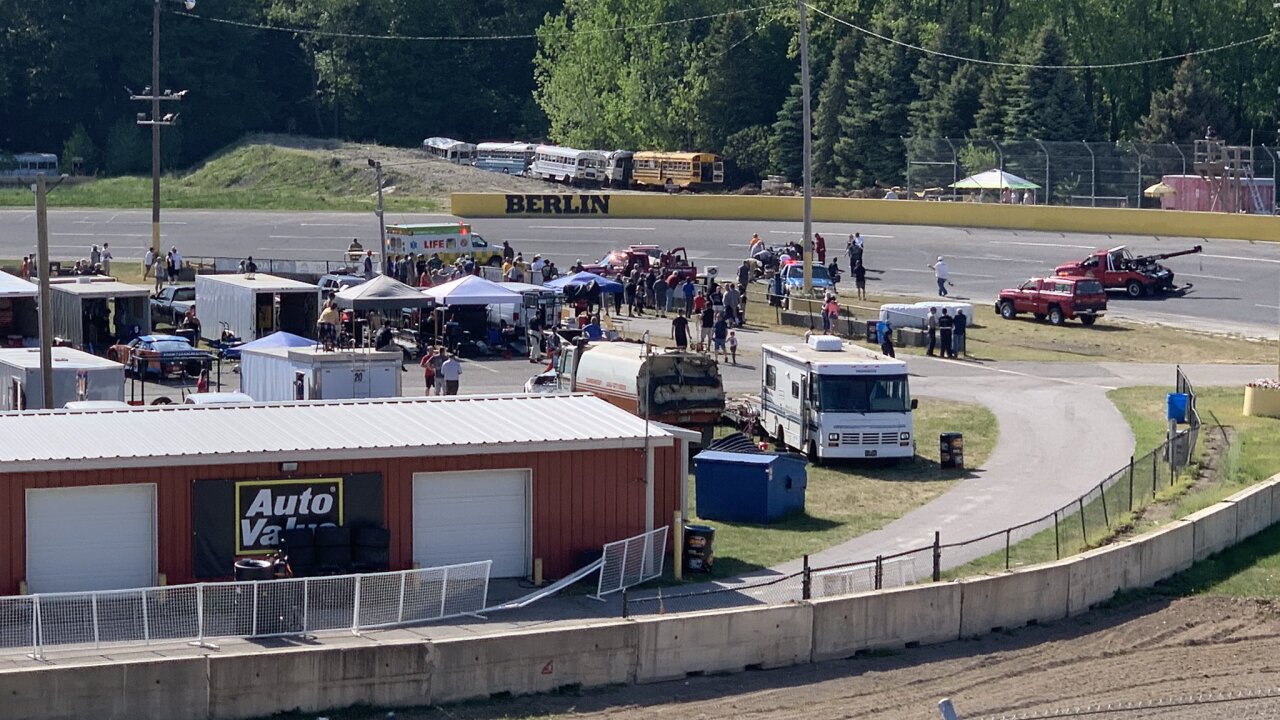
column 451, row 241
column 684, row 170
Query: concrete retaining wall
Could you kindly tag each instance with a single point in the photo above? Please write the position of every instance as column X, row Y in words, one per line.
column 724, row 641
column 925, row 614
column 1097, row 575
column 398, row 672
column 1034, row 594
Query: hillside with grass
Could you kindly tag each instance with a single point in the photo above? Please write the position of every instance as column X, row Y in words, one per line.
column 279, row 172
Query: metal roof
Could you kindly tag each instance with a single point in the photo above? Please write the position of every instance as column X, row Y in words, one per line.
column 13, row 286
column 313, row 431
column 29, row 358
column 262, row 281
column 100, row 289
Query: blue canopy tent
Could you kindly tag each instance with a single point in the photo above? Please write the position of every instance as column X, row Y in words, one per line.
column 582, row 279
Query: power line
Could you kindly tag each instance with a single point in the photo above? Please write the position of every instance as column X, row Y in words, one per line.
column 1025, row 66
column 465, row 38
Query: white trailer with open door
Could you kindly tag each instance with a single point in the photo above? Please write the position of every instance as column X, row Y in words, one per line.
column 254, row 305
column 92, row 313
column 77, row 376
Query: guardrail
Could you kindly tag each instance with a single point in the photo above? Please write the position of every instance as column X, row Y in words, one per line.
column 199, row 612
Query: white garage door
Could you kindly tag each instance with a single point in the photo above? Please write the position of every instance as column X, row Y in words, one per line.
column 91, row 538
column 471, row 516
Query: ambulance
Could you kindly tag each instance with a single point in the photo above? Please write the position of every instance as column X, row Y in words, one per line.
column 450, row 241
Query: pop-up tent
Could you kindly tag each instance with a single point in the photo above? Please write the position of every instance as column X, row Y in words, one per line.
column 381, row 293
column 279, row 339
column 582, row 279
column 995, row 179
column 471, row 290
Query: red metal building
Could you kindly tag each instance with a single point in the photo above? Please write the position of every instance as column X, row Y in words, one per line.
column 130, row 498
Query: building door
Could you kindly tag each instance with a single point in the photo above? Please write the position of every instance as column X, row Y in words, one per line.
column 91, row 538
column 471, row 516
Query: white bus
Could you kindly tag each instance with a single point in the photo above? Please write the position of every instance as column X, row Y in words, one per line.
column 618, row 168
column 567, row 165
column 831, row 400
column 29, row 165
column 454, row 151
column 511, row 158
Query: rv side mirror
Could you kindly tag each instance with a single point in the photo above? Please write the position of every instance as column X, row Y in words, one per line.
column 914, row 403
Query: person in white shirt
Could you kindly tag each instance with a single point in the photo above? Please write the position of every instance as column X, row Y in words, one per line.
column 451, row 371
column 941, row 272
column 148, row 261
column 106, row 258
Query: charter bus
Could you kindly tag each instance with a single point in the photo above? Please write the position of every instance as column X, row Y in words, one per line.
column 511, row 158
column 567, row 165
column 832, row 400
column 450, row 241
column 30, row 165
column 455, row 151
column 687, row 171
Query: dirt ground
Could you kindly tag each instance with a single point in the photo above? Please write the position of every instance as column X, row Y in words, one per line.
column 1172, row 659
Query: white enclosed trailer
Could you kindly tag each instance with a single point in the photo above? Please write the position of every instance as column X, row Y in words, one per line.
column 251, row 306
column 77, row 376
column 93, row 312
column 271, row 374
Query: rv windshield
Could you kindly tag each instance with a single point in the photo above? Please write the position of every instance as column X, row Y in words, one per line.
column 857, row 394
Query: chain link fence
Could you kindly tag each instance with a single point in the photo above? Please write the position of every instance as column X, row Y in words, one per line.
column 255, row 609
column 1091, row 174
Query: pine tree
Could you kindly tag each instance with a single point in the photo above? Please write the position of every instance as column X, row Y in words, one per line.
column 787, row 143
column 934, row 74
column 952, row 114
column 993, row 99
column 833, row 98
column 870, row 151
column 1183, row 112
column 1048, row 103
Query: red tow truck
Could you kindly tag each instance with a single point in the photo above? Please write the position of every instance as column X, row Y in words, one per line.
column 1057, row 298
column 616, row 262
column 1119, row 269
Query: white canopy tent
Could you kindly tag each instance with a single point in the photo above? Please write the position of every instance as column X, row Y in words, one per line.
column 381, row 293
column 471, row 290
column 995, row 179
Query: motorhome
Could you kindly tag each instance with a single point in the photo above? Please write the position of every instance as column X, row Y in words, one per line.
column 833, row 400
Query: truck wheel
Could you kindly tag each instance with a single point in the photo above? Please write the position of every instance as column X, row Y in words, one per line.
column 1006, row 310
column 779, row 441
column 1088, row 320
column 495, row 261
column 1039, row 317
column 1135, row 289
column 811, row 452
column 1055, row 316
column 162, row 400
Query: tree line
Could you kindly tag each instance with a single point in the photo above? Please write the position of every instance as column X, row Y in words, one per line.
column 725, row 81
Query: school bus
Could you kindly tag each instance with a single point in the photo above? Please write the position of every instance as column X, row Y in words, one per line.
column 687, row 171
column 451, row 241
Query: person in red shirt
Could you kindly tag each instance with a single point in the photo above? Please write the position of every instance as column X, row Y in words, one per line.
column 700, row 302
column 820, row 248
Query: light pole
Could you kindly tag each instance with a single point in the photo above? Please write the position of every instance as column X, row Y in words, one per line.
column 153, row 95
column 46, row 313
column 807, row 128
column 382, row 223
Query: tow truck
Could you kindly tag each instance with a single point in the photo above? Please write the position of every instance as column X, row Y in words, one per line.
column 616, row 262
column 1119, row 269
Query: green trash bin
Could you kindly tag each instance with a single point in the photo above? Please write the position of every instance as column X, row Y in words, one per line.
column 951, row 447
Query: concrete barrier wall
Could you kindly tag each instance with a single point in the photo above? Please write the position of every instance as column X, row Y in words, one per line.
column 924, row 614
column 1253, row 509
column 1215, row 529
column 534, row 662
column 148, row 690
column 1034, row 594
column 1097, row 575
column 1104, row 221
column 1166, row 551
column 671, row 647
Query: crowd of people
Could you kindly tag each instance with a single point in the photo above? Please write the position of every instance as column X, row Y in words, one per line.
column 164, row 268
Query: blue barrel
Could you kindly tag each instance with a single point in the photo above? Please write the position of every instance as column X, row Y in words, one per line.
column 1178, row 404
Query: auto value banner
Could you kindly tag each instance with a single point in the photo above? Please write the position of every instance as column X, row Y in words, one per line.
column 238, row 518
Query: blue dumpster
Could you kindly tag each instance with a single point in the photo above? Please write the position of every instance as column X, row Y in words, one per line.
column 749, row 487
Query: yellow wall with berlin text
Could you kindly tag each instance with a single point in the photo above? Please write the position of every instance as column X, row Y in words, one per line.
column 880, row 212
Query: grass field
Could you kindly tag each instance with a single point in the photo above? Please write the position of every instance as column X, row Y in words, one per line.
column 249, row 177
column 845, row 501
column 1023, row 338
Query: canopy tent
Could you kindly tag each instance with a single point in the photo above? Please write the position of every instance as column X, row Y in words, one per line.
column 1159, row 190
column 471, row 290
column 584, row 278
column 381, row 293
column 277, row 339
column 995, row 179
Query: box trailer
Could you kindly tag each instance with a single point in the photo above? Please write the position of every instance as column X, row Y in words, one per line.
column 92, row 313
column 77, row 376
column 19, row 313
column 270, row 374
column 251, row 306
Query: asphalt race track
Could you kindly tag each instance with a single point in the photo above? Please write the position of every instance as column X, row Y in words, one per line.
column 1236, row 282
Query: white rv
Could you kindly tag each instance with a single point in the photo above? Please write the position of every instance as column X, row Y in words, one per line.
column 832, row 400
column 567, row 165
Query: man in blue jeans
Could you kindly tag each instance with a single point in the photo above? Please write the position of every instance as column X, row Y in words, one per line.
column 941, row 272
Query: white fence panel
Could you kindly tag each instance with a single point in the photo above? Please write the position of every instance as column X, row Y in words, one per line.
column 632, row 561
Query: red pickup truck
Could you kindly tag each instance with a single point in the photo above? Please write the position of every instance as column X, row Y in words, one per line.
column 1057, row 298
column 616, row 262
